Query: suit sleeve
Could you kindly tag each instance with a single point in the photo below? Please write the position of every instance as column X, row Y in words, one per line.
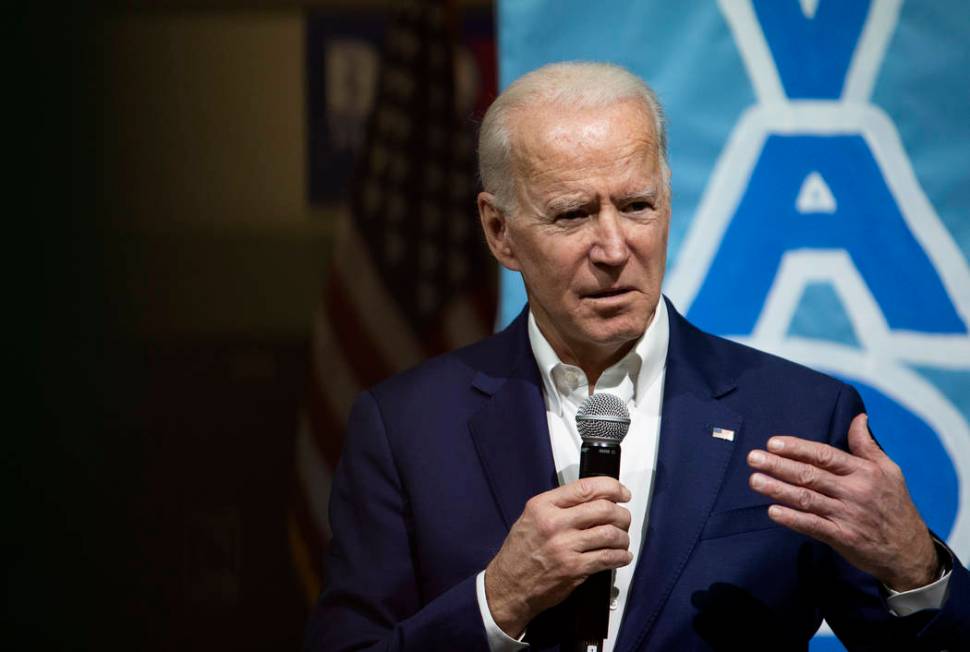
column 854, row 604
column 372, row 599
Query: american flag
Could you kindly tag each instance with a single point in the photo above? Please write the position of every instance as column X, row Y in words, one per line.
column 410, row 275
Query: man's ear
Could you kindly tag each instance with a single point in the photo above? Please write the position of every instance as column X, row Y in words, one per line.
column 496, row 228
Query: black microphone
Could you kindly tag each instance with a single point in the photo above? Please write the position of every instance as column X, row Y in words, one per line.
column 602, row 421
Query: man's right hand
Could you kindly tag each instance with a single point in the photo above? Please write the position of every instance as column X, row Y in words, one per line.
column 563, row 536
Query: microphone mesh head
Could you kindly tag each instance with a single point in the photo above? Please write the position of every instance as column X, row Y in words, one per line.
column 603, row 417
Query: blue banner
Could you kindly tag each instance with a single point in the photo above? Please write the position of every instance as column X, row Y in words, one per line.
column 820, row 203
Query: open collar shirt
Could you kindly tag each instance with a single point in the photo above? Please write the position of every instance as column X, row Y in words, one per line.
column 638, row 381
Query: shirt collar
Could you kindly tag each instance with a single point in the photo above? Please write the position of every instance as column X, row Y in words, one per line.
column 630, row 378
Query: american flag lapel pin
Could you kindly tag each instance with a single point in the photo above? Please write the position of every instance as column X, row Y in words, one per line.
column 723, row 433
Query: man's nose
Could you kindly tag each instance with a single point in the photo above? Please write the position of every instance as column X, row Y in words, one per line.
column 609, row 243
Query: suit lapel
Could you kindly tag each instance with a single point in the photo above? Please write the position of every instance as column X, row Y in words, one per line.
column 510, row 433
column 690, row 468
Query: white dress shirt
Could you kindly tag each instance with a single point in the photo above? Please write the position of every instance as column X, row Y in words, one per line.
column 638, row 380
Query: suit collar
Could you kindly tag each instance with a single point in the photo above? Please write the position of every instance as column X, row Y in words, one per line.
column 702, row 368
column 688, row 347
column 506, row 356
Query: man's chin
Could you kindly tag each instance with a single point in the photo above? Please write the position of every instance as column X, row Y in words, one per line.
column 616, row 335
column 619, row 323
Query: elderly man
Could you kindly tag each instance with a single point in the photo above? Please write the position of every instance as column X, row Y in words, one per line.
column 458, row 519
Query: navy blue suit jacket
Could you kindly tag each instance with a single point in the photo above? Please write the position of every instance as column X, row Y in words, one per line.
column 439, row 462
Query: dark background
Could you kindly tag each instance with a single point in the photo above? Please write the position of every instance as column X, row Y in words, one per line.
column 164, row 265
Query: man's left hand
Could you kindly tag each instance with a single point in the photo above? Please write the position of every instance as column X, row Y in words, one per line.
column 855, row 502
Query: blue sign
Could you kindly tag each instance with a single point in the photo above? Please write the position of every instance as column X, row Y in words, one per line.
column 821, row 210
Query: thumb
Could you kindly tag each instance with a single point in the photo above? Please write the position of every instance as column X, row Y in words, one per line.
column 861, row 442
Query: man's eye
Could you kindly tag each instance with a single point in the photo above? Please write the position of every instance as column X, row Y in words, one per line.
column 576, row 214
column 638, row 206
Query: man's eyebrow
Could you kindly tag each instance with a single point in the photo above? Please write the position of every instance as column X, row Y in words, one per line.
column 645, row 193
column 567, row 203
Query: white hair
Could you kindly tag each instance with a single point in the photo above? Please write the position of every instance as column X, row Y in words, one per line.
column 581, row 84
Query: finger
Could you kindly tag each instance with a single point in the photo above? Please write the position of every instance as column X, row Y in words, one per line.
column 806, row 523
column 597, row 512
column 601, row 536
column 812, row 452
column 797, row 473
column 861, row 442
column 585, row 490
column 801, row 498
column 602, row 559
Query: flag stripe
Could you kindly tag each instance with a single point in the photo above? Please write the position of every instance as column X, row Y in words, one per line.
column 360, row 352
column 325, row 426
column 333, row 376
column 463, row 323
column 392, row 335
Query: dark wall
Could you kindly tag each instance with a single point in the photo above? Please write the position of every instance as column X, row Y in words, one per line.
column 163, row 270
column 159, row 344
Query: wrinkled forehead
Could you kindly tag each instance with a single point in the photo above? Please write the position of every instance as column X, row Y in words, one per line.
column 543, row 132
column 548, row 138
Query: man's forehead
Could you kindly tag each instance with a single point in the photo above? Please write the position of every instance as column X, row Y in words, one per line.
column 545, row 123
column 582, row 140
column 593, row 129
column 546, row 134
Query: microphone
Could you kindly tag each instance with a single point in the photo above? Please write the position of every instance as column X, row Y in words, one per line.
column 602, row 421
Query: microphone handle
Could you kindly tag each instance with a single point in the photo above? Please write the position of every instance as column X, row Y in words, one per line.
column 591, row 599
column 599, row 458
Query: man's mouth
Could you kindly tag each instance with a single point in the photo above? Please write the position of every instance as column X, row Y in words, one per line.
column 606, row 294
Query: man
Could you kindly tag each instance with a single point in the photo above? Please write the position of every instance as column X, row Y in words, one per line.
column 457, row 518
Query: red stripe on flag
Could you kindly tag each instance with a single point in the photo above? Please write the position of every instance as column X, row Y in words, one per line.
column 359, row 351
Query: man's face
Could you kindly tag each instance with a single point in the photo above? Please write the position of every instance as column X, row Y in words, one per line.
column 589, row 232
